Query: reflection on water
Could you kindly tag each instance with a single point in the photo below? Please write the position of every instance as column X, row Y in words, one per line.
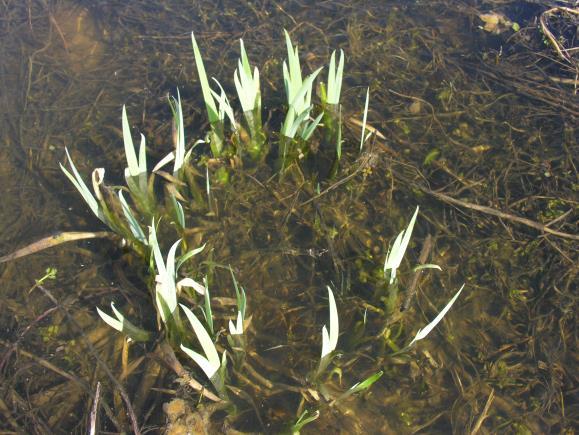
column 478, row 117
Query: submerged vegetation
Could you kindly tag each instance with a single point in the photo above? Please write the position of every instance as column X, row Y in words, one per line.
column 183, row 188
column 259, row 263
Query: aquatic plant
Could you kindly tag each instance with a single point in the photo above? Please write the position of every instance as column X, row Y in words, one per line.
column 82, row 188
column 331, row 146
column 248, row 90
column 335, row 74
column 126, row 218
column 173, row 291
column 365, row 137
column 236, row 337
column 398, row 249
column 423, row 332
column 217, row 129
column 329, row 340
column 121, row 324
column 213, row 367
column 298, row 126
column 305, row 418
column 136, row 170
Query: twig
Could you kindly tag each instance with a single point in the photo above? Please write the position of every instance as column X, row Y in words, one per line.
column 500, row 214
column 8, row 416
column 46, row 364
column 12, row 347
column 424, row 253
column 562, row 52
column 83, row 384
column 59, row 31
column 481, row 418
column 94, row 411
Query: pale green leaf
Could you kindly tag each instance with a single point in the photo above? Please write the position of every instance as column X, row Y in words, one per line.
column 187, row 256
column 133, row 223
column 206, row 342
column 209, row 103
column 364, row 119
column 330, row 340
column 132, row 162
column 335, row 79
column 82, row 188
column 396, row 252
column 422, row 333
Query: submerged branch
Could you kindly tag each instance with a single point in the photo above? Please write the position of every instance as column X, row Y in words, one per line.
column 491, row 211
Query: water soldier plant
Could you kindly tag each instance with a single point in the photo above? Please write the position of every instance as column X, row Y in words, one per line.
column 249, row 142
column 144, row 220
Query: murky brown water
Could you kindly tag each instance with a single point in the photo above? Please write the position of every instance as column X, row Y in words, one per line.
column 488, row 120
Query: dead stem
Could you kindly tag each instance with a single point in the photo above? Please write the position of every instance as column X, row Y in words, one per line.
column 501, row 215
column 55, row 240
column 484, row 414
column 94, row 410
column 424, row 254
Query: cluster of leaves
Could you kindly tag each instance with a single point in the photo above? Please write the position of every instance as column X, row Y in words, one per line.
column 248, row 139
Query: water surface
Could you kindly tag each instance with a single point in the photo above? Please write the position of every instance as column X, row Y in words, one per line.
column 487, row 119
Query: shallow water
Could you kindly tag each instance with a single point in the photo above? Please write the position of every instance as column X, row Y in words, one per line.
column 462, row 113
